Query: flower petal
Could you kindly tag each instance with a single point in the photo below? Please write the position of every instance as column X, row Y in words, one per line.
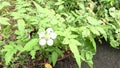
column 49, row 30
column 42, row 42
column 41, row 35
column 53, row 35
column 50, row 42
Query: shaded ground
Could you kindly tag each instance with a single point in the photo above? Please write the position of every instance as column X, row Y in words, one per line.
column 66, row 63
column 106, row 57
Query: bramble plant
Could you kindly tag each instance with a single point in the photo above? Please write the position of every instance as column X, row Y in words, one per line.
column 44, row 30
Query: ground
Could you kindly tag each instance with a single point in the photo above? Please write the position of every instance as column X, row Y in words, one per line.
column 106, row 57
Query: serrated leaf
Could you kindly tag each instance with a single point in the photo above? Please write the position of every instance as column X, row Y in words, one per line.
column 90, row 63
column 21, row 26
column 60, row 7
column 7, row 48
column 4, row 4
column 10, row 51
column 76, row 42
column 75, row 51
column 93, row 21
column 8, row 57
column 59, row 51
column 89, row 57
column 65, row 41
column 19, row 47
column 93, row 43
column 4, row 21
column 32, row 53
column 113, row 42
column 102, row 31
column 49, row 49
column 29, row 46
column 94, row 31
column 17, row 15
column 59, row 2
column 86, row 33
column 112, row 12
column 82, row 6
column 54, row 58
column 38, row 7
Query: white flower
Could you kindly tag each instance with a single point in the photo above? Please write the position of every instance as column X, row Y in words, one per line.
column 41, row 35
column 49, row 30
column 42, row 42
column 50, row 42
column 53, row 35
column 47, row 37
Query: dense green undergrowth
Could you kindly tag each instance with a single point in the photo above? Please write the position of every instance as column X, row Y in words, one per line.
column 77, row 24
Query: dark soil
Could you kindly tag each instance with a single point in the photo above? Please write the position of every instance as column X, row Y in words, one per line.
column 67, row 63
column 106, row 57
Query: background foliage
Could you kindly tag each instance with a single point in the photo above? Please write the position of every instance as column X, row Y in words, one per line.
column 77, row 23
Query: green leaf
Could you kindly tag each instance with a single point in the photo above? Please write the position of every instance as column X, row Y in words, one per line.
column 21, row 26
column 89, row 57
column 9, row 50
column 93, row 43
column 94, row 30
column 82, row 6
column 17, row 15
column 59, row 51
column 112, row 12
column 102, row 31
column 74, row 48
column 4, row 4
column 76, row 42
column 39, row 8
column 8, row 57
column 54, row 58
column 67, row 41
column 59, row 2
column 4, row 21
column 32, row 53
column 61, row 7
column 86, row 33
column 93, row 21
column 114, row 43
column 29, row 46
column 19, row 47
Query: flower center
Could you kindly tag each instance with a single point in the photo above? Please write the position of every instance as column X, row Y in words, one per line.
column 47, row 36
